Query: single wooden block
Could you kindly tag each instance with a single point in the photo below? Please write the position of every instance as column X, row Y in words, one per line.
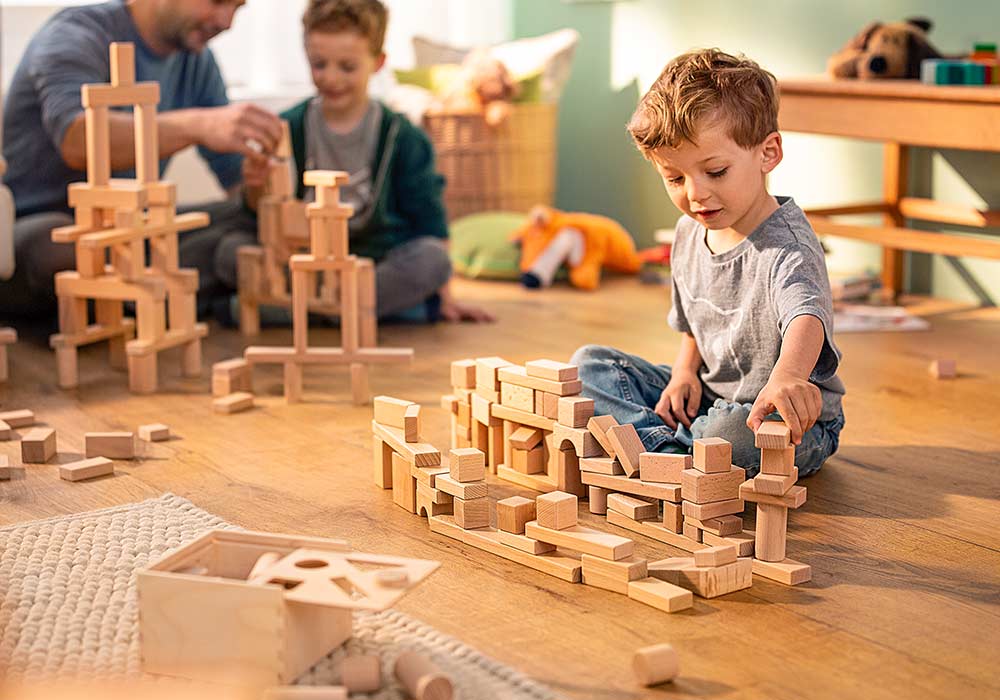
column 612, row 575
column 723, row 526
column 86, row 469
column 518, row 375
column 771, row 532
column 18, row 419
column 361, row 674
column 632, row 507
column 5, row 431
column 465, row 490
column 233, row 403
column 391, row 411
column 411, row 422
column 113, row 445
column 38, row 445
column 429, row 502
column 743, row 541
column 575, row 411
column 231, row 376
column 705, row 581
column 663, row 467
column 582, row 539
column 773, row 435
column 700, row 487
column 520, row 397
column 673, row 517
column 528, row 461
column 943, row 369
column 486, row 373
column 550, row 369
column 661, row 595
column 598, row 425
column 463, row 374
column 691, row 532
column 655, row 664
column 6, row 471
column 482, row 411
column 778, row 462
column 707, row 511
column 404, row 486
column 467, row 464
column 793, row 498
column 513, row 513
column 715, row 556
column 712, row 455
column 550, row 404
column 122, row 63
column 597, row 500
column 421, row 678
column 472, row 513
column 154, row 432
column 556, row 510
column 524, row 543
column 525, row 438
column 774, row 485
column 635, row 487
column 601, row 465
column 786, row 571
column 627, row 446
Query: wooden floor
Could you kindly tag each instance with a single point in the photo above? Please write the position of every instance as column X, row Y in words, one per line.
column 902, row 526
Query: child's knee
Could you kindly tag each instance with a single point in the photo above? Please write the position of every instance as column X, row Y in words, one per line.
column 434, row 265
column 729, row 421
column 589, row 354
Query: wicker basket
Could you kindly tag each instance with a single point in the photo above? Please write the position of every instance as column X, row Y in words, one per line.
column 510, row 167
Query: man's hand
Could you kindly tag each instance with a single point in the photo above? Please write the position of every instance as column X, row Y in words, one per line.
column 456, row 312
column 255, row 170
column 228, row 129
column 797, row 400
column 680, row 399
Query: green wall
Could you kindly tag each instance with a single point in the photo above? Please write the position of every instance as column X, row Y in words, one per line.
column 625, row 44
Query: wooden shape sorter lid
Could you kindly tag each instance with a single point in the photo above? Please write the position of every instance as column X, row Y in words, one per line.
column 353, row 580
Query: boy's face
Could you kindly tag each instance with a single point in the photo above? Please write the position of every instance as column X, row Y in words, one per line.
column 717, row 182
column 341, row 64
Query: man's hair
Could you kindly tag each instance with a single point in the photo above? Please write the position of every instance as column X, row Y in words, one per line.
column 366, row 17
column 706, row 83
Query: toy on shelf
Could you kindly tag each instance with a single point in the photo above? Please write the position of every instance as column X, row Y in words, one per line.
column 885, row 50
column 586, row 243
column 259, row 609
column 346, row 287
column 982, row 67
column 118, row 219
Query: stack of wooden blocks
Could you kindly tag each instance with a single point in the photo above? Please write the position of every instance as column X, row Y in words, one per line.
column 402, row 462
column 774, row 491
column 709, row 573
column 232, row 386
column 465, row 485
column 711, row 491
column 459, row 402
column 8, row 336
column 122, row 217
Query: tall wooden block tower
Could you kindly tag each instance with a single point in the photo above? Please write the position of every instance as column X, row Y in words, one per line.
column 115, row 222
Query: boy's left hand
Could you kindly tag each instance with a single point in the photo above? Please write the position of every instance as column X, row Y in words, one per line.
column 796, row 399
column 456, row 312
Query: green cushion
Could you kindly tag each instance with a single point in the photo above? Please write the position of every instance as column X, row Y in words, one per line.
column 480, row 247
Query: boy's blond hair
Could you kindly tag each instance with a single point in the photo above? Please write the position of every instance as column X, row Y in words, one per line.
column 365, row 17
column 705, row 83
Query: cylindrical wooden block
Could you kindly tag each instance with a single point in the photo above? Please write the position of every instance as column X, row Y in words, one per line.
column 769, row 540
column 655, row 664
column 598, row 500
column 421, row 678
column 362, row 674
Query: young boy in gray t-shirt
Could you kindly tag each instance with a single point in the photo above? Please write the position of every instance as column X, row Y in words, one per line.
column 751, row 296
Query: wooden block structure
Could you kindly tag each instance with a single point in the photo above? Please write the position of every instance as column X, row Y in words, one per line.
column 325, row 278
column 8, row 336
column 707, row 578
column 202, row 615
column 710, row 489
column 115, row 222
column 774, row 491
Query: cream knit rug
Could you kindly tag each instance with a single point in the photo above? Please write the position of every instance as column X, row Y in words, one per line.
column 68, row 605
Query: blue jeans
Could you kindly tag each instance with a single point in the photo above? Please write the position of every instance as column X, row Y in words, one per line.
column 628, row 388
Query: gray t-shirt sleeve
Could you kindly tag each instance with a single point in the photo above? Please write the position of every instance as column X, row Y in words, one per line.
column 226, row 166
column 57, row 74
column 677, row 318
column 799, row 287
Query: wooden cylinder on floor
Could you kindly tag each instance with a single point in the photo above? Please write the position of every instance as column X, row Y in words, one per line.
column 598, row 500
column 769, row 540
column 362, row 674
column 421, row 678
column 655, row 664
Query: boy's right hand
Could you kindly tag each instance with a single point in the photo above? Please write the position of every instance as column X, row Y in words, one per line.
column 680, row 399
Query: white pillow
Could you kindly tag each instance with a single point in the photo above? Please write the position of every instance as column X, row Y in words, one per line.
column 550, row 54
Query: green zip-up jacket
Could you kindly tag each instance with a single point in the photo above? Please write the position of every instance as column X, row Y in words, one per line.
column 408, row 189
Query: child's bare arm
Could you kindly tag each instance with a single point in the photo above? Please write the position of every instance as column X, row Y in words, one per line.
column 788, row 390
column 681, row 398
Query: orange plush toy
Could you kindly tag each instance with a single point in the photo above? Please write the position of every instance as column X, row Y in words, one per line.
column 585, row 242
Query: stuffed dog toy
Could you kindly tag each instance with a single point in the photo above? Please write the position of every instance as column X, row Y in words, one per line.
column 879, row 51
column 483, row 84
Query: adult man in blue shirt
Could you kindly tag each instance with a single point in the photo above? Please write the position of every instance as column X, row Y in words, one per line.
column 45, row 133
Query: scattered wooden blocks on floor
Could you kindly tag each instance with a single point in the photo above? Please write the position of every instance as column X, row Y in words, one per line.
column 233, row 403
column 113, row 445
column 943, row 369
column 421, row 678
column 18, row 419
column 715, row 556
column 467, row 464
column 5, row 431
column 773, row 435
column 632, row 507
column 661, row 595
column 231, row 376
column 575, row 411
column 86, row 469
column 627, row 447
column 38, row 445
column 556, row 510
column 655, row 664
column 6, row 471
column 361, row 674
column 154, row 432
column 552, row 370
column 786, row 571
column 663, row 467
column 712, row 455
